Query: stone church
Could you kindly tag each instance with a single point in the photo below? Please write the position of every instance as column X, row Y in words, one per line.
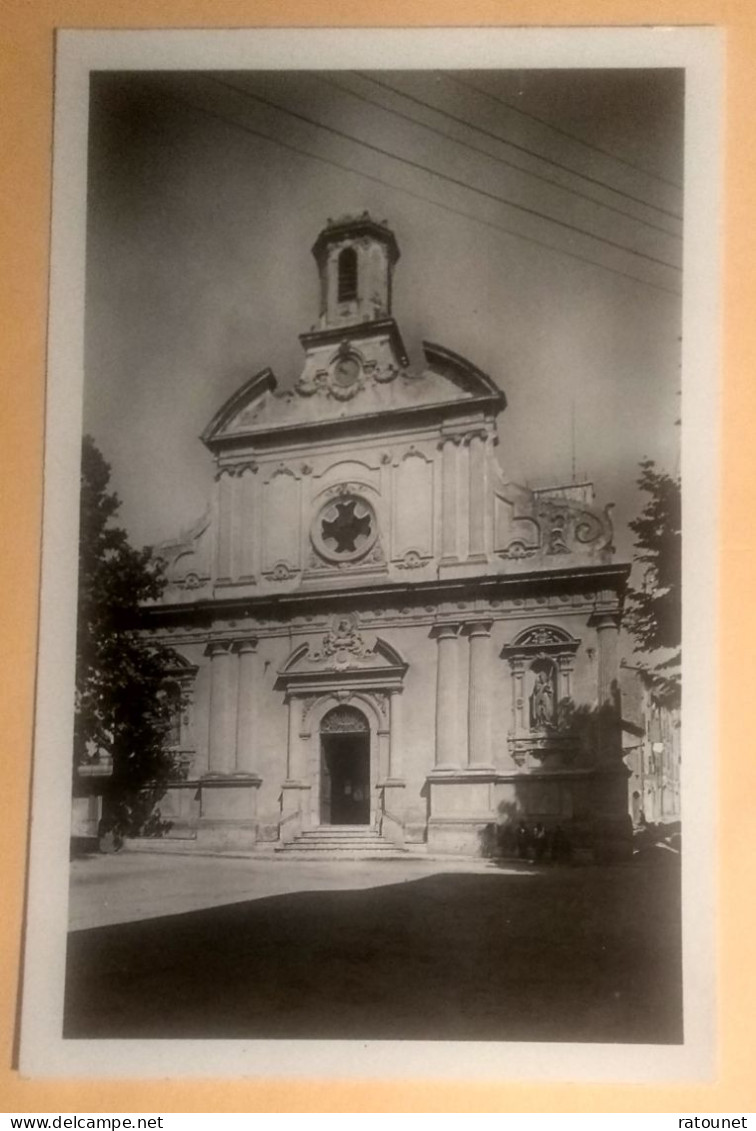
column 379, row 633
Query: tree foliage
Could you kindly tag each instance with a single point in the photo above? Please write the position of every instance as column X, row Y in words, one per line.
column 122, row 709
column 654, row 610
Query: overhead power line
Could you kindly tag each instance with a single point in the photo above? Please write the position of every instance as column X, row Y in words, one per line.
column 521, row 148
column 493, row 157
column 558, row 130
column 203, row 110
column 457, row 181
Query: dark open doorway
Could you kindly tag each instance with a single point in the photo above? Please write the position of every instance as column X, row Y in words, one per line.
column 345, row 768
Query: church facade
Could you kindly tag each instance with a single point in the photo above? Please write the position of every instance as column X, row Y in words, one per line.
column 377, row 629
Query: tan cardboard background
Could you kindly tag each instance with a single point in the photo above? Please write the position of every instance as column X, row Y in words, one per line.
column 27, row 30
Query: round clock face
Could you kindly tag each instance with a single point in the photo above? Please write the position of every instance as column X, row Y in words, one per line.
column 345, row 529
column 345, row 379
column 346, row 372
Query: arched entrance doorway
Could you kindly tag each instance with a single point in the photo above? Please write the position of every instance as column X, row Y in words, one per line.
column 344, row 767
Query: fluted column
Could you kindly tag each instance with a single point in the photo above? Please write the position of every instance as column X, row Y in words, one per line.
column 246, row 719
column 222, row 745
column 448, row 753
column 479, row 697
column 448, row 447
column 477, row 494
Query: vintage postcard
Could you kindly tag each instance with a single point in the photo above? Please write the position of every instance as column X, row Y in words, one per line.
column 375, row 718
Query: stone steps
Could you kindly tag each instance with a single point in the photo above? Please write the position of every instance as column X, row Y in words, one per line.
column 339, row 842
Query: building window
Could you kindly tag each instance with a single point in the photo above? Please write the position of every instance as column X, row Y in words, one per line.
column 345, row 529
column 347, row 290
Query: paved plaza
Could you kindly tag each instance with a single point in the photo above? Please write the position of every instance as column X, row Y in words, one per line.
column 179, row 946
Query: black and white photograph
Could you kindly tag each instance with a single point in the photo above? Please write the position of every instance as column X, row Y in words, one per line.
column 381, row 430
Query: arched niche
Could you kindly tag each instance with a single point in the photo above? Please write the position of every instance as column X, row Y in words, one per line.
column 541, row 661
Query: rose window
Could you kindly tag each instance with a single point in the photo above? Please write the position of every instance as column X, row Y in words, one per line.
column 345, row 529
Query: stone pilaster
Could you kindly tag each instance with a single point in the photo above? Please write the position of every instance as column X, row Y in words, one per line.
column 296, row 769
column 449, row 539
column 249, row 504
column 223, row 693
column 449, row 752
column 247, row 716
column 519, row 704
column 479, row 696
column 225, row 508
column 478, row 495
column 396, row 744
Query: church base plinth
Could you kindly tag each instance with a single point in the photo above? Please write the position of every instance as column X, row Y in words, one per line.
column 228, row 811
column 461, row 803
column 226, row 836
column 391, row 819
column 295, row 810
column 459, row 836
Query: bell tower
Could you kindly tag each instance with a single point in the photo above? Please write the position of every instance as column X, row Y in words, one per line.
column 355, row 257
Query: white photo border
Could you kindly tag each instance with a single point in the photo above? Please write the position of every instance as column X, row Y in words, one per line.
column 700, row 52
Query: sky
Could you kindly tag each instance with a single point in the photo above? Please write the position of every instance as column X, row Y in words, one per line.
column 538, row 214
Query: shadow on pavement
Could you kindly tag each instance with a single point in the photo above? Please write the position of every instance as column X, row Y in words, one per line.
column 558, row 955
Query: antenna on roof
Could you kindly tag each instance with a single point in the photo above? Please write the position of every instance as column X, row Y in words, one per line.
column 572, row 423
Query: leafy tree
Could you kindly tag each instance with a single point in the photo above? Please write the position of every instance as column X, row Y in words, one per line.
column 122, row 707
column 654, row 611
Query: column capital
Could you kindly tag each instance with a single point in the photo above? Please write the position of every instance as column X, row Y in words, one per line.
column 451, row 439
column 250, row 465
column 605, row 618
column 480, row 433
column 218, row 648
column 479, row 628
column 446, row 631
column 245, row 646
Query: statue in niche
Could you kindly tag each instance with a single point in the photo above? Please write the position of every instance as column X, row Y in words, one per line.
column 542, row 700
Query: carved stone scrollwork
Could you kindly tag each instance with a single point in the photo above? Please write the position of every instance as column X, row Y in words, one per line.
column 554, row 520
column 281, row 571
column 383, row 374
column 411, row 560
column 542, row 634
column 308, row 702
column 344, row 720
column 534, row 750
column 517, row 550
column 342, row 644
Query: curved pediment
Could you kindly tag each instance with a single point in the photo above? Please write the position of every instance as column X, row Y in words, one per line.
column 348, row 380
